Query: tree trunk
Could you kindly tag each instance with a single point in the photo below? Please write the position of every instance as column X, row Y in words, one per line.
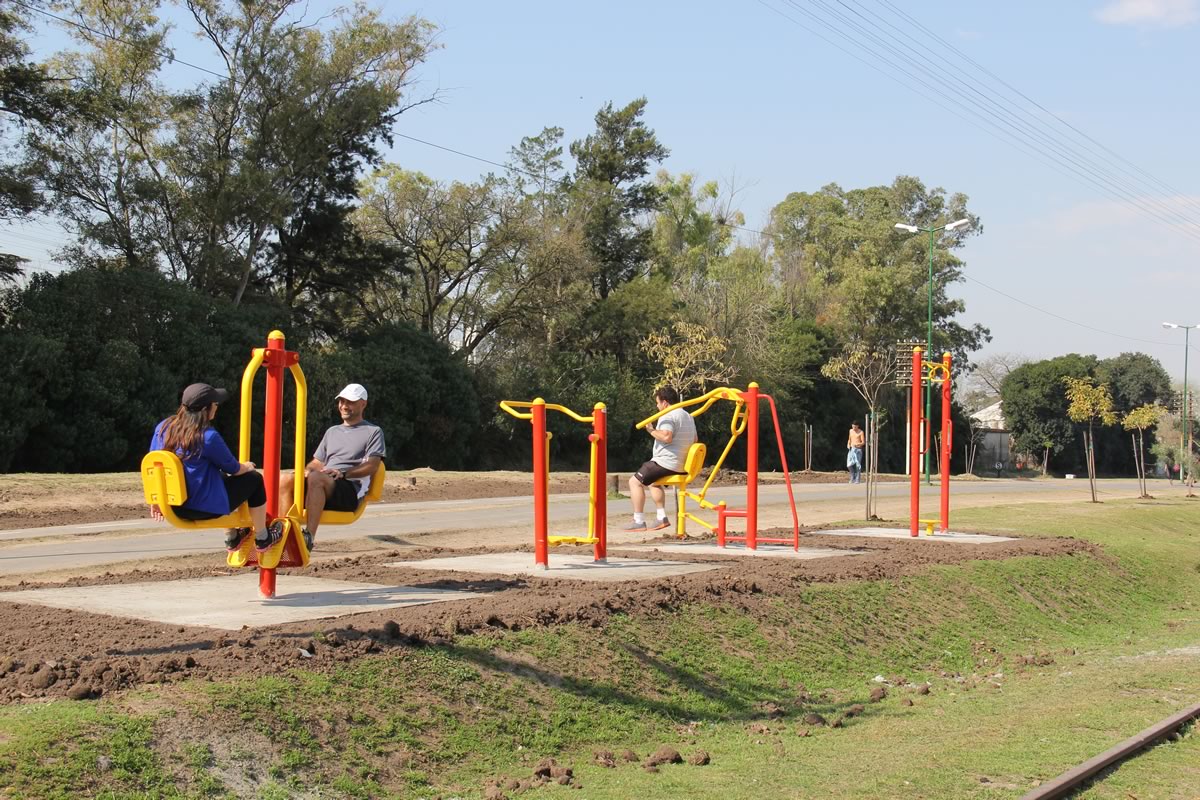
column 1137, row 465
column 1046, row 462
column 1091, row 464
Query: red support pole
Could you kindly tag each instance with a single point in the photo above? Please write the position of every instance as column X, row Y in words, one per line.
column 947, row 434
column 600, row 431
column 540, row 476
column 914, row 456
column 751, row 396
column 275, row 357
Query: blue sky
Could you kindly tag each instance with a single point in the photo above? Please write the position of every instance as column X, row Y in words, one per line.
column 741, row 92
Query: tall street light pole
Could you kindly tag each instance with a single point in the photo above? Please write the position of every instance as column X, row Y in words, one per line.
column 929, row 340
column 1186, row 411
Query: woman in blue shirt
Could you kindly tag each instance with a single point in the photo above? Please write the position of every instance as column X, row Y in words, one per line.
column 217, row 483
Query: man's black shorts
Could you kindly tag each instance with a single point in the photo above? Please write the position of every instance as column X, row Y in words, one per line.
column 652, row 471
column 247, row 488
column 344, row 496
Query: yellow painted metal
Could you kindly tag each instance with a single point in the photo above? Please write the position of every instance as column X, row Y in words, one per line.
column 708, row 398
column 374, row 493
column 511, row 407
column 164, row 485
column 592, row 456
column 555, row 541
column 248, row 374
column 301, row 435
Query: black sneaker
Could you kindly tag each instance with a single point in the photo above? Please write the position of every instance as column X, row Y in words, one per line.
column 270, row 537
column 234, row 538
column 308, row 539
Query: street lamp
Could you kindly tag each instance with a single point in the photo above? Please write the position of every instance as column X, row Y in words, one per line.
column 950, row 226
column 1187, row 417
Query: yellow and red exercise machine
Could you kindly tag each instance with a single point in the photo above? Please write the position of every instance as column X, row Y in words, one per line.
column 931, row 372
column 597, row 491
column 164, row 486
column 745, row 420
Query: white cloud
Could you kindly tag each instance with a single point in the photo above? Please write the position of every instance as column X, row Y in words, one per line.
column 1157, row 13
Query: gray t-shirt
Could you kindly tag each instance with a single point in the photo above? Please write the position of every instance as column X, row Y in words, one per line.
column 346, row 446
column 671, row 456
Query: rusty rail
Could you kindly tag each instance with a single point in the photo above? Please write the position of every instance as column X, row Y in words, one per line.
column 1073, row 778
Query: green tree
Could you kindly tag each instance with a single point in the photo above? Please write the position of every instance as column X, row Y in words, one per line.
column 1035, row 405
column 1090, row 403
column 243, row 183
column 611, row 166
column 1139, row 419
column 469, row 248
column 842, row 262
column 99, row 355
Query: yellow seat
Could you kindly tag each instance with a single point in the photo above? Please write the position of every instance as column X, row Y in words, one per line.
column 374, row 492
column 692, row 464
column 164, row 484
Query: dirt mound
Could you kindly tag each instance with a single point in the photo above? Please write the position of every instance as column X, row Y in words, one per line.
column 46, row 652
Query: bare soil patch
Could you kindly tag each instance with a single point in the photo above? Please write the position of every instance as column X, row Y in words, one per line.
column 47, row 653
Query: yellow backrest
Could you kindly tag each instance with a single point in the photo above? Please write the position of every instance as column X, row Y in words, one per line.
column 163, row 481
column 376, row 490
column 694, row 461
column 374, row 493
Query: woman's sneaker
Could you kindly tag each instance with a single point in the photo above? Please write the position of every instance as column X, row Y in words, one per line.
column 308, row 539
column 270, row 537
column 234, row 538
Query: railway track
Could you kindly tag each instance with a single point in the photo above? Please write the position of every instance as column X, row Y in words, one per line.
column 1076, row 777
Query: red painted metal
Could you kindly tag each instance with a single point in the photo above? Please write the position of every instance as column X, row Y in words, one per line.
column 274, row 359
column 541, row 553
column 914, row 456
column 600, row 482
column 947, row 435
column 787, row 476
column 751, row 397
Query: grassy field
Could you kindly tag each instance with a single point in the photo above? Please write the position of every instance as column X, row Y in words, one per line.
column 1033, row 665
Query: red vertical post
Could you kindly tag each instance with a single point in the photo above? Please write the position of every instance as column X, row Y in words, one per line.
column 540, row 476
column 600, row 481
column 752, row 466
column 947, row 433
column 276, row 356
column 914, row 455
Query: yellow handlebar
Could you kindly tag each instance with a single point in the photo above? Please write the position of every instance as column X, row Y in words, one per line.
column 507, row 405
column 708, row 398
column 511, row 407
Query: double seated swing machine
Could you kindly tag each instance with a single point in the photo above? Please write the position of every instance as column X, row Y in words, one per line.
column 745, row 420
column 164, row 486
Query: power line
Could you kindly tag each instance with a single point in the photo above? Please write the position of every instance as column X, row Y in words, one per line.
column 1006, row 112
column 1005, row 294
column 161, row 51
column 985, row 119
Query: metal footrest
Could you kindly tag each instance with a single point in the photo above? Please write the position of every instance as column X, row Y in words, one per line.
column 555, row 541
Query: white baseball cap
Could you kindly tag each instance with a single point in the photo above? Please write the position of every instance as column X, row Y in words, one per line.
column 353, row 392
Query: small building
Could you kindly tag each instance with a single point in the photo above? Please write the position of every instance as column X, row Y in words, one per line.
column 994, row 442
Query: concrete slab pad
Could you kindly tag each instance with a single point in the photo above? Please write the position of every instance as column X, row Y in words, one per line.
column 572, row 567
column 739, row 549
column 903, row 533
column 231, row 602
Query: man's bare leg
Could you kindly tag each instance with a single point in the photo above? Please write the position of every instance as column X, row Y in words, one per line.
column 320, row 486
column 637, row 493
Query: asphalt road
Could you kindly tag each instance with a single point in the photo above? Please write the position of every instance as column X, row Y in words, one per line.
column 460, row 523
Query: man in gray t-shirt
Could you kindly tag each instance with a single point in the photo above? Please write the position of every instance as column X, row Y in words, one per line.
column 340, row 472
column 674, row 433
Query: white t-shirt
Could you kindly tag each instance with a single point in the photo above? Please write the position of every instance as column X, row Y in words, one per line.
column 671, row 456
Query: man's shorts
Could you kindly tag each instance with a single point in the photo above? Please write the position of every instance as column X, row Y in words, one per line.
column 652, row 471
column 344, row 496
